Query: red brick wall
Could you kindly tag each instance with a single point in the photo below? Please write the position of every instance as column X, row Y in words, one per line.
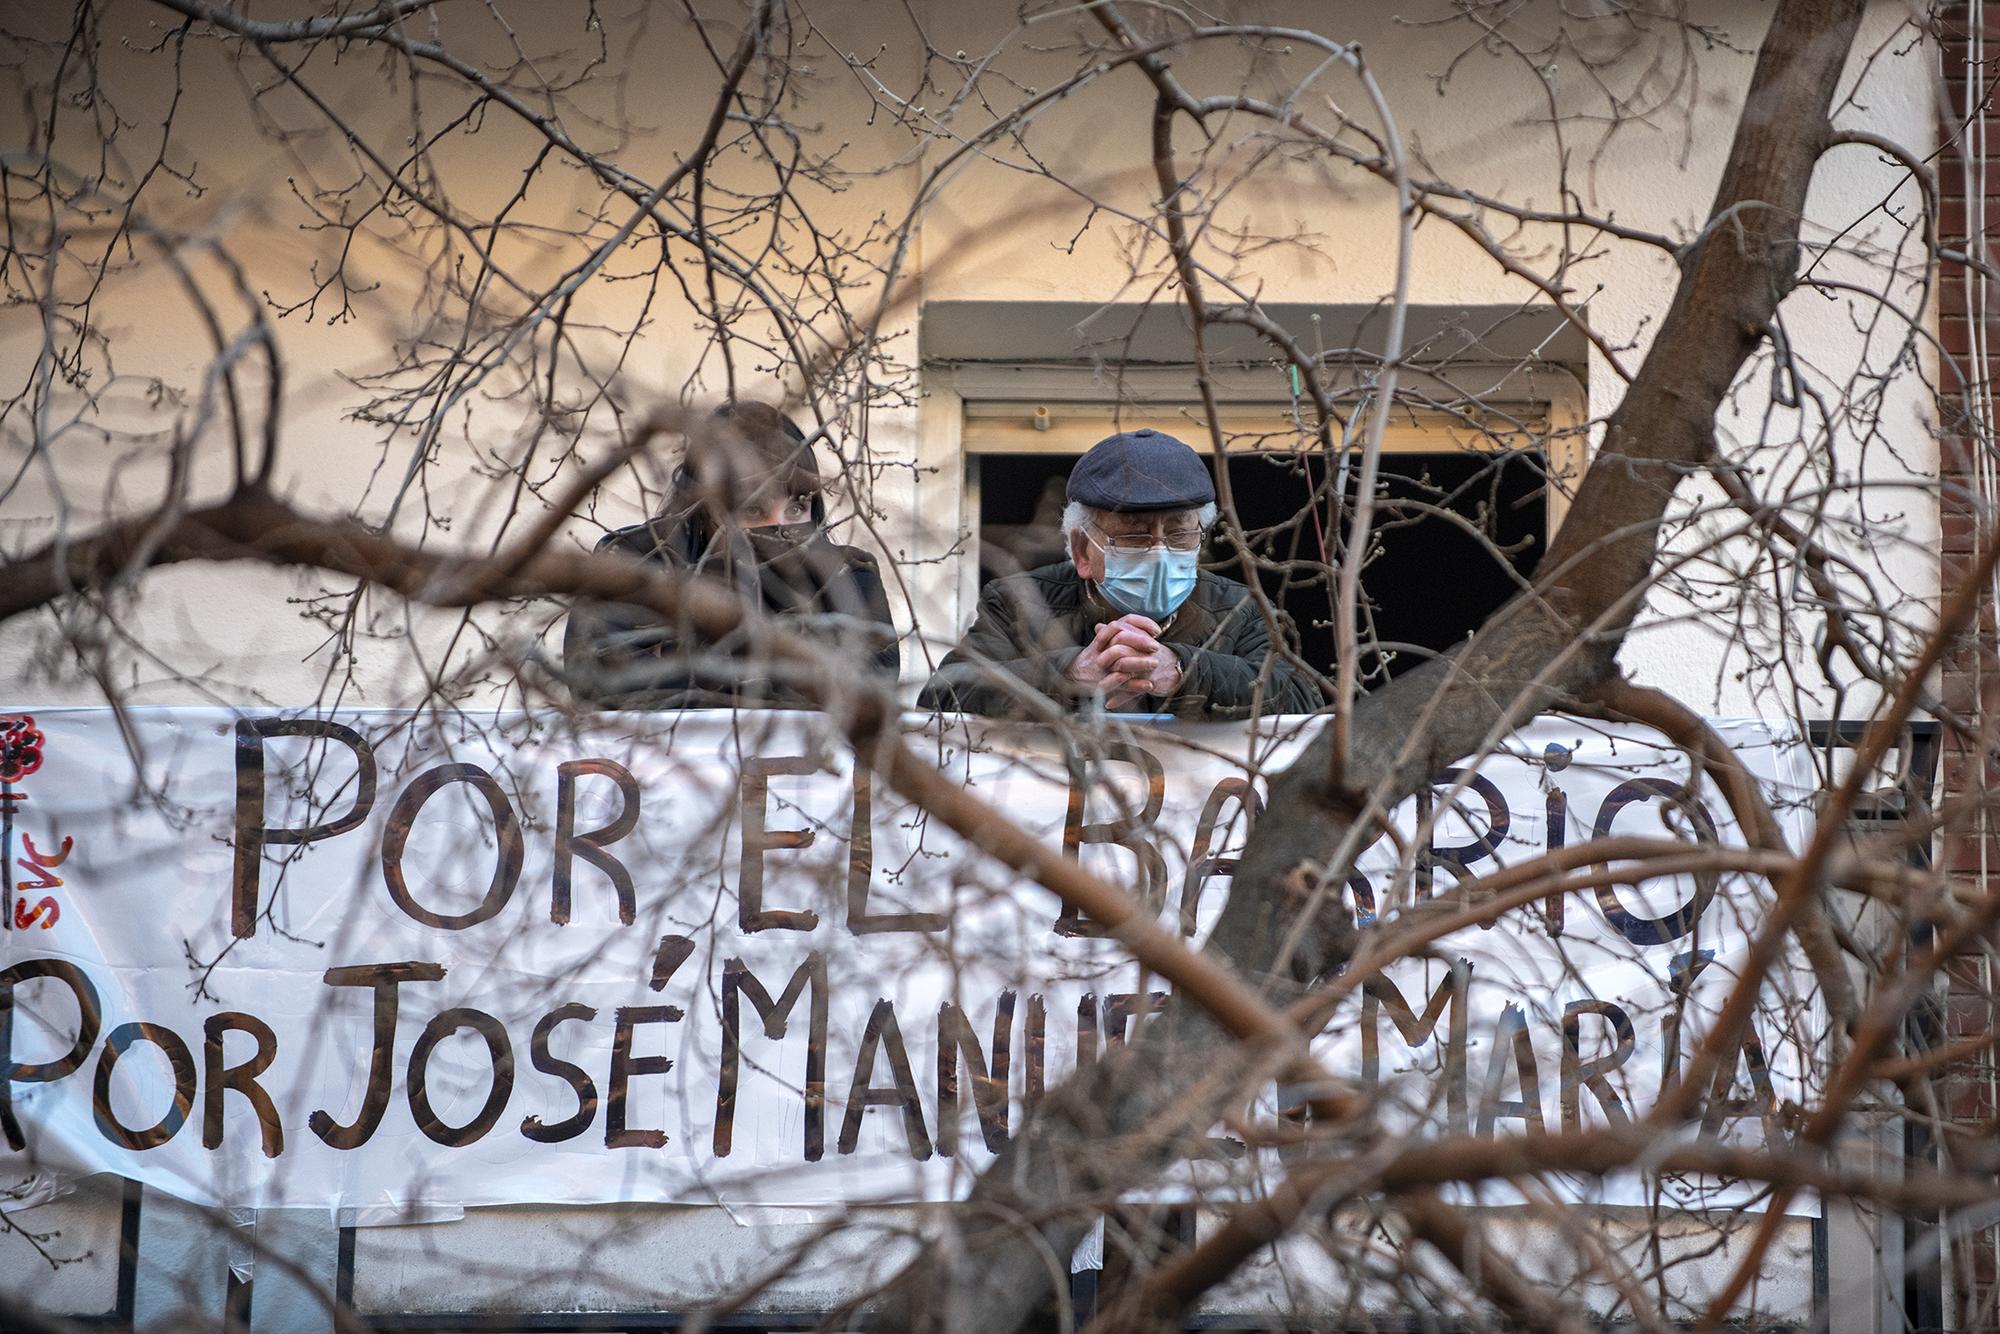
column 1972, row 675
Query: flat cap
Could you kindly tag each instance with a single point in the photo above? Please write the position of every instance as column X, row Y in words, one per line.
column 1140, row 471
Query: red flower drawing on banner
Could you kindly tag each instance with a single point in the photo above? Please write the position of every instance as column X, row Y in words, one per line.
column 21, row 745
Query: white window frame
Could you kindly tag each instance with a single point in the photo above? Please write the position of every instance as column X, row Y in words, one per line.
column 970, row 409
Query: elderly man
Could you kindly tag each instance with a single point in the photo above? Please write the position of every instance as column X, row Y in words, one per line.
column 1130, row 619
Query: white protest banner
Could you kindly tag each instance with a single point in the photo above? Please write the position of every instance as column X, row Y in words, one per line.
column 380, row 959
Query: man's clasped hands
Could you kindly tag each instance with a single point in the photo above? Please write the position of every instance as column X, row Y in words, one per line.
column 1126, row 660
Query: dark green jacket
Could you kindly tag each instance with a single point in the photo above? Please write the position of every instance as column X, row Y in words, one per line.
column 1031, row 627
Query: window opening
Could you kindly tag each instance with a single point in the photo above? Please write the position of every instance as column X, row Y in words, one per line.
column 1460, row 522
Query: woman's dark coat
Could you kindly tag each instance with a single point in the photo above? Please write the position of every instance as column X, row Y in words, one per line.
column 624, row 657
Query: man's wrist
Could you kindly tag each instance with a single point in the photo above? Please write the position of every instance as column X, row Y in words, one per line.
column 1056, row 667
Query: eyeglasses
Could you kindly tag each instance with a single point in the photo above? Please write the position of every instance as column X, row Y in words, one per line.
column 1179, row 539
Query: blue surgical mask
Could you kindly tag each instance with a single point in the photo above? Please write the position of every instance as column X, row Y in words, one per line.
column 1152, row 583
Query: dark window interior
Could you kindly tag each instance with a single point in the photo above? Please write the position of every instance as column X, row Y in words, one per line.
column 1428, row 583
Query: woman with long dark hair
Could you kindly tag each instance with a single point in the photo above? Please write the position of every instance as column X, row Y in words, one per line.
column 747, row 507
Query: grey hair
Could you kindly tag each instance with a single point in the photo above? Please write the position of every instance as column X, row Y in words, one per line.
column 1076, row 515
